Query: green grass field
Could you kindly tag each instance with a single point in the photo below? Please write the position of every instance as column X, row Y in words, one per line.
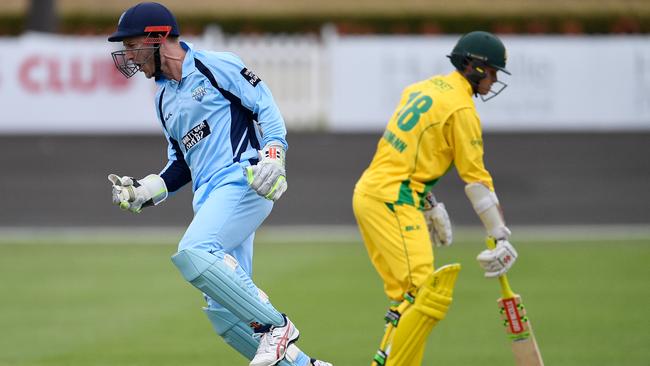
column 92, row 305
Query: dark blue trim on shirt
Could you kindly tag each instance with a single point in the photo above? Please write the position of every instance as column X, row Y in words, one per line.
column 252, row 136
column 242, row 127
column 178, row 172
column 160, row 111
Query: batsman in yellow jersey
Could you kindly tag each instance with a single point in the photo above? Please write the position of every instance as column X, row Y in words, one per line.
column 434, row 127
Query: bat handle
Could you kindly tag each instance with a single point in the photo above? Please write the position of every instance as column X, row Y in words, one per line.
column 506, row 290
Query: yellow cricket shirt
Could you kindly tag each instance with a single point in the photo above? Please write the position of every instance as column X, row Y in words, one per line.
column 434, row 126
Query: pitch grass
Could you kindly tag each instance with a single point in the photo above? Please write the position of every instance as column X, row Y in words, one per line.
column 92, row 305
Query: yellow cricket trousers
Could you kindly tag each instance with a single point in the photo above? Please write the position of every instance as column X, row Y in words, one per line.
column 397, row 240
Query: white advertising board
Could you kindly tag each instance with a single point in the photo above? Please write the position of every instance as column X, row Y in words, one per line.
column 68, row 84
column 54, row 84
column 65, row 84
column 557, row 83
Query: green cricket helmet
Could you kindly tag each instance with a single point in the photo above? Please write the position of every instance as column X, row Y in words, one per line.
column 478, row 49
column 479, row 46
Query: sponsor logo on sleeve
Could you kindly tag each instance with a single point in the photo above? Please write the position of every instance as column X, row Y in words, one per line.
column 195, row 135
column 250, row 76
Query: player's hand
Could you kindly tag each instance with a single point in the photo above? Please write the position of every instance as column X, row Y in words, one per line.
column 438, row 221
column 132, row 195
column 268, row 177
column 497, row 261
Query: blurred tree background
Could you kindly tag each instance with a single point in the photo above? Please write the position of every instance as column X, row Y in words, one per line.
column 349, row 17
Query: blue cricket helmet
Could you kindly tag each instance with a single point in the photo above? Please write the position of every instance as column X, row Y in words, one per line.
column 143, row 19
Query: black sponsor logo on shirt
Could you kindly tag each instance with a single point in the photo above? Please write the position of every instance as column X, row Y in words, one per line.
column 250, row 76
column 195, row 135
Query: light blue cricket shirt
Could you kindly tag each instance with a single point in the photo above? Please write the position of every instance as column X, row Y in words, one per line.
column 215, row 119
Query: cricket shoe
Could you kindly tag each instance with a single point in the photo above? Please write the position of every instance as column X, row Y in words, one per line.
column 320, row 363
column 274, row 343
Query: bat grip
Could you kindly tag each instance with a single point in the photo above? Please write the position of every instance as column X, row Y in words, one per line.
column 506, row 290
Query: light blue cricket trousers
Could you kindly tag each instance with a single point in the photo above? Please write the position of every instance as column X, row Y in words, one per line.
column 226, row 217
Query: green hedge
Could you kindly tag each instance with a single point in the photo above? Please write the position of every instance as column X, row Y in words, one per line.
column 410, row 24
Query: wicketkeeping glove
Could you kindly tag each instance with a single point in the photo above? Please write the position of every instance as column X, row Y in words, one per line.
column 133, row 195
column 268, row 177
column 497, row 261
column 438, row 221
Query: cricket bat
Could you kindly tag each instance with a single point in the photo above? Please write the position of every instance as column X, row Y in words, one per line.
column 517, row 324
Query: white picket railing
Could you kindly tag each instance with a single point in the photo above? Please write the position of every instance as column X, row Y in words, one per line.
column 291, row 65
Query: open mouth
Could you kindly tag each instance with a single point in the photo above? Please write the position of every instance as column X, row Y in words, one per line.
column 126, row 65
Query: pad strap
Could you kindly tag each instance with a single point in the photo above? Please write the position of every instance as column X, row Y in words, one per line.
column 406, row 345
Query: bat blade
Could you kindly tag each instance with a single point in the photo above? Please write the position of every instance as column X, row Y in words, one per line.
column 515, row 320
column 520, row 332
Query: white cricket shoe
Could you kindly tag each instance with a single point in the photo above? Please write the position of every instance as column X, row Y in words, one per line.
column 321, row 363
column 274, row 343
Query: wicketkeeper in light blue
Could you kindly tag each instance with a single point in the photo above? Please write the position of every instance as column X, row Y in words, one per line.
column 227, row 137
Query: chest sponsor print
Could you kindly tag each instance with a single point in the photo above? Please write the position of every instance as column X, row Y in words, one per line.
column 195, row 135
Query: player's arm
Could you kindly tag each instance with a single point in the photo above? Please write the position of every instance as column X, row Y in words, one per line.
column 467, row 143
column 134, row 194
column 468, row 157
column 176, row 173
column 268, row 177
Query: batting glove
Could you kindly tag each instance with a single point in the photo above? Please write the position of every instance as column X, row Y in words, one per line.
column 132, row 195
column 268, row 177
column 497, row 261
column 438, row 221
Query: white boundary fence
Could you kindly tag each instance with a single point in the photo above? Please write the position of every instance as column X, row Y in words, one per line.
column 61, row 84
column 293, row 66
